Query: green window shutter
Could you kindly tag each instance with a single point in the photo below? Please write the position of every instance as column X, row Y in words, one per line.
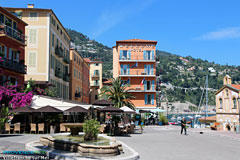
column 152, row 54
column 121, row 69
column 128, row 69
column 145, row 68
column 129, row 54
column 144, row 55
column 153, row 85
column 152, row 69
column 145, row 98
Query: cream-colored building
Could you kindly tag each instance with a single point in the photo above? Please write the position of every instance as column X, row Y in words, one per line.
column 95, row 78
column 227, row 105
column 47, row 51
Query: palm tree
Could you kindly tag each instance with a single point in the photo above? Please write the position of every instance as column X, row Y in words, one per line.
column 118, row 93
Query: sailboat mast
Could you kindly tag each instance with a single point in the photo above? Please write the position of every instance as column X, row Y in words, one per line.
column 206, row 109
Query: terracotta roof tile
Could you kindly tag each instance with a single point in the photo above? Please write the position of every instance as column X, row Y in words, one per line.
column 137, row 40
column 87, row 60
column 237, row 86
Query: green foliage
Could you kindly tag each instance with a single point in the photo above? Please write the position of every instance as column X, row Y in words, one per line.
column 118, row 94
column 163, row 119
column 54, row 119
column 91, row 129
column 4, row 117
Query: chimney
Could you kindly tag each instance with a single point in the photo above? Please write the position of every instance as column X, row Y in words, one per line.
column 30, row 6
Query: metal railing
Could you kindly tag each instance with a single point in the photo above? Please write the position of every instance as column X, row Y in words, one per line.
column 137, row 58
column 138, row 72
column 66, row 59
column 13, row 66
column 59, row 51
column 58, row 73
column 66, row 77
column 4, row 29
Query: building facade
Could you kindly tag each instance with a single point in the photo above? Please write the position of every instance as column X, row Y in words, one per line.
column 47, row 51
column 227, row 105
column 95, row 79
column 134, row 62
column 12, row 48
column 79, row 79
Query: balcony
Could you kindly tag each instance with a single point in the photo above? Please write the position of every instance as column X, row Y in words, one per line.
column 95, row 77
column 12, row 33
column 66, row 77
column 95, row 85
column 58, row 73
column 59, row 52
column 13, row 66
column 139, row 58
column 142, row 89
column 66, row 59
column 137, row 73
column 77, row 94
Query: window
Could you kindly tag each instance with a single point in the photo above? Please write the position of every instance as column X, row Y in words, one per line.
column 96, row 64
column 234, row 103
column 1, row 18
column 148, row 85
column 32, row 59
column 96, row 72
column 32, row 35
column 96, row 83
column 53, row 40
column 52, row 61
column 148, row 98
column 33, row 16
column 96, row 97
column 227, row 92
column 220, row 103
column 148, row 55
column 125, row 54
column 57, row 27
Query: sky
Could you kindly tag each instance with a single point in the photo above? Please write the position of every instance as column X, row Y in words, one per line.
column 206, row 29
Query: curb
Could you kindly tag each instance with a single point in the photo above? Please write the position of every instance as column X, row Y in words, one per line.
column 29, row 146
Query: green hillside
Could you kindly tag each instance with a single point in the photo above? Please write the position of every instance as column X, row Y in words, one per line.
column 181, row 77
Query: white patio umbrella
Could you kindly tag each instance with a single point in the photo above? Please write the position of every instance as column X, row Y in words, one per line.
column 127, row 110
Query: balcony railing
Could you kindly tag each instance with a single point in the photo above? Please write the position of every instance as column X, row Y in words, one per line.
column 66, row 59
column 58, row 73
column 95, row 77
column 59, row 51
column 137, row 58
column 66, row 77
column 13, row 66
column 4, row 29
column 138, row 72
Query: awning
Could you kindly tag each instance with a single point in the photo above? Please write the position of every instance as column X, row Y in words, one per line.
column 110, row 109
column 127, row 110
column 77, row 109
column 22, row 110
column 48, row 109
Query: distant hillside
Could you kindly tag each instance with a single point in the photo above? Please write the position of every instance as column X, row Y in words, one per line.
column 181, row 77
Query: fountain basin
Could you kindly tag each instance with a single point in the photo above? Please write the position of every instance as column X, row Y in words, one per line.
column 112, row 149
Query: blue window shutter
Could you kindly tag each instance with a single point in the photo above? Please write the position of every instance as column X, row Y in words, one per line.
column 121, row 53
column 153, row 85
column 145, row 98
column 145, row 85
column 10, row 53
column 145, row 68
column 152, row 69
column 152, row 54
column 144, row 55
column 5, row 52
column 129, row 52
column 152, row 99
column 121, row 69
column 128, row 69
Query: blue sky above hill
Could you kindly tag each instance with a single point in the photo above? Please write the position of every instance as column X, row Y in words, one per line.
column 206, row 29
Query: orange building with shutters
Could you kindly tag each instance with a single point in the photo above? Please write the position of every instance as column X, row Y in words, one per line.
column 134, row 61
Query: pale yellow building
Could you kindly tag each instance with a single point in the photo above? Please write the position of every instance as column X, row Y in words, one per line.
column 47, row 51
column 227, row 105
column 95, row 79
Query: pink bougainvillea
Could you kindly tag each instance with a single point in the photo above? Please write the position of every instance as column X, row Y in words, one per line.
column 10, row 95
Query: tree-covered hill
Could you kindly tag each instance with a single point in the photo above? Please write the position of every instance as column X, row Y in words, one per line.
column 181, row 77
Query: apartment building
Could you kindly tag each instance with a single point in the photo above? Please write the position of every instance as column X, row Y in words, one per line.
column 47, row 51
column 134, row 62
column 79, row 79
column 227, row 105
column 12, row 48
column 95, row 78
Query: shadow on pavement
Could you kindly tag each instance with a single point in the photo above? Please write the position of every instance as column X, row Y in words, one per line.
column 9, row 135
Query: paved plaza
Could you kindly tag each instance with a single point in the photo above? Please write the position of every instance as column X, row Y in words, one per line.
column 162, row 143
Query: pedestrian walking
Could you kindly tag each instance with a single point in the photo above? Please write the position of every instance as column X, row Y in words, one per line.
column 183, row 126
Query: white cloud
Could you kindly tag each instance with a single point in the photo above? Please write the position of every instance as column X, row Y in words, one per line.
column 226, row 33
column 110, row 18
